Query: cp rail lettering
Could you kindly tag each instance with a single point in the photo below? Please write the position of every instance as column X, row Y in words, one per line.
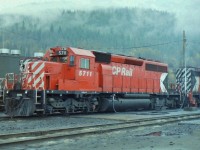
column 122, row 71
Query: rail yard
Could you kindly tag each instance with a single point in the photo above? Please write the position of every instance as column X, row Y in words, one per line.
column 71, row 94
column 99, row 75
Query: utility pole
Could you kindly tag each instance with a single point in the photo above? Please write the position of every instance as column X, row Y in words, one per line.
column 2, row 38
column 184, row 45
column 184, row 61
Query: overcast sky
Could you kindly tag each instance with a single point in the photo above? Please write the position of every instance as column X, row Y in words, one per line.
column 186, row 11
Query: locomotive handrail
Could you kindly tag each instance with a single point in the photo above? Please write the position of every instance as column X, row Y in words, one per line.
column 10, row 80
column 1, row 83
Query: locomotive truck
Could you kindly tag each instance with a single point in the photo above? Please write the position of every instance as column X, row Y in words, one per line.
column 70, row 80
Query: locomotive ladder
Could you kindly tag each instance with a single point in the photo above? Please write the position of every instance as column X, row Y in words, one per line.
column 40, row 99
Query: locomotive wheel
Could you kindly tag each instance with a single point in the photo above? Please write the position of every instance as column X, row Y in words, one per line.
column 19, row 107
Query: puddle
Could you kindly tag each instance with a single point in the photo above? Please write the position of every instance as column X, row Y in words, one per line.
column 152, row 113
column 161, row 133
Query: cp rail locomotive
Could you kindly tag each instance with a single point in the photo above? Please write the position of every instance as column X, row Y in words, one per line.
column 69, row 80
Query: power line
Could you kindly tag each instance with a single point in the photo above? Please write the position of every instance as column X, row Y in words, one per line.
column 150, row 45
column 194, row 42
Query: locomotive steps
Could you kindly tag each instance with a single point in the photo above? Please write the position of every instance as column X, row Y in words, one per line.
column 42, row 135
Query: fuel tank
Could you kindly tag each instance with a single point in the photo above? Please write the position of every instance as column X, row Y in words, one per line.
column 123, row 104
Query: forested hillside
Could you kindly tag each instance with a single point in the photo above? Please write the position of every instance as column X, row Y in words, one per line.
column 136, row 32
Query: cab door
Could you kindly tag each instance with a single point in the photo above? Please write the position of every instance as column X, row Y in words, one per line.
column 71, row 67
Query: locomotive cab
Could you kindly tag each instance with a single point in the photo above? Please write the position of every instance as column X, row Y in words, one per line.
column 78, row 72
column 69, row 69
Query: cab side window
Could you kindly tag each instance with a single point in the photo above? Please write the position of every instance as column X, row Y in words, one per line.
column 72, row 60
column 85, row 63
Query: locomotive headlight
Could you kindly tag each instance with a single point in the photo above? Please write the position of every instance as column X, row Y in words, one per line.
column 28, row 66
column 26, row 92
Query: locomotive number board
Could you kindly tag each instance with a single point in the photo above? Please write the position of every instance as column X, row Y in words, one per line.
column 62, row 53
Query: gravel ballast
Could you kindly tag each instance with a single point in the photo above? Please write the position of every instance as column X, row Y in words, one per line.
column 176, row 136
column 46, row 123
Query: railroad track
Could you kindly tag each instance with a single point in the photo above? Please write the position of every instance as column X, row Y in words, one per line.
column 8, row 118
column 43, row 135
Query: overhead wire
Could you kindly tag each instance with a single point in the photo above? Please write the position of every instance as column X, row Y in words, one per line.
column 150, row 45
column 194, row 42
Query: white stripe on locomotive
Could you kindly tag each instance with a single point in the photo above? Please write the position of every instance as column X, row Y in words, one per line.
column 41, row 66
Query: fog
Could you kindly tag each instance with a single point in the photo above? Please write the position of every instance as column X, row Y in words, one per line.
column 186, row 12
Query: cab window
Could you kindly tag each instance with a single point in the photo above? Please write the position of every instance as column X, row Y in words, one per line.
column 85, row 63
column 71, row 60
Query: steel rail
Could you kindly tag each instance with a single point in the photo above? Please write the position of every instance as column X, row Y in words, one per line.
column 42, row 135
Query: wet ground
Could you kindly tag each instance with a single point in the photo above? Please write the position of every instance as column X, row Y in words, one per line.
column 184, row 135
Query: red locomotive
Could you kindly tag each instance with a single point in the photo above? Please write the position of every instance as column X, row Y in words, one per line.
column 72, row 80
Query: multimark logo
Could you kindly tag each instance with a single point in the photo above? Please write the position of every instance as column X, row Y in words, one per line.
column 122, row 71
